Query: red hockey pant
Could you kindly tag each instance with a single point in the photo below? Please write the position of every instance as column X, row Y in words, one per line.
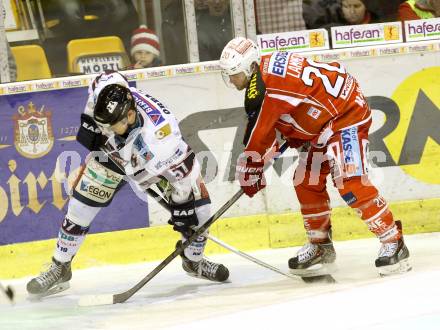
column 345, row 158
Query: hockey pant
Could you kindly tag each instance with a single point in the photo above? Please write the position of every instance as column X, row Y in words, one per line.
column 94, row 189
column 345, row 158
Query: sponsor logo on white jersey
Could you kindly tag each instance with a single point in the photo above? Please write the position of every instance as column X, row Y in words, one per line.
column 163, row 132
column 150, row 109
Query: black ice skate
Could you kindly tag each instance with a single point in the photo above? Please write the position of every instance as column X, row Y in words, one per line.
column 55, row 279
column 205, row 269
column 314, row 262
column 393, row 258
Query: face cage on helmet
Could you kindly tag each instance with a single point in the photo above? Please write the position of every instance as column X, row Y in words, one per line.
column 227, row 80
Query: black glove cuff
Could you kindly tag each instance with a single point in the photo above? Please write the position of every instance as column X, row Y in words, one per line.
column 89, row 134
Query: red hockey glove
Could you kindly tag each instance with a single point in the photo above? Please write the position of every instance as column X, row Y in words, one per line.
column 251, row 176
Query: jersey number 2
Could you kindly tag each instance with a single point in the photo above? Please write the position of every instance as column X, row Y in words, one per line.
column 314, row 68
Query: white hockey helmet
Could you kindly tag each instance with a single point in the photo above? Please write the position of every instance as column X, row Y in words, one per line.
column 238, row 56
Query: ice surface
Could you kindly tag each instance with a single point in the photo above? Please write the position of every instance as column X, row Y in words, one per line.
column 255, row 297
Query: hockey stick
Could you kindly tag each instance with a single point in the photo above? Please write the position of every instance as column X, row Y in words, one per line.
column 327, row 278
column 109, row 299
column 8, row 292
column 249, row 257
column 162, row 202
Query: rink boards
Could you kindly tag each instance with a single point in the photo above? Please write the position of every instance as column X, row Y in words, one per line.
column 39, row 121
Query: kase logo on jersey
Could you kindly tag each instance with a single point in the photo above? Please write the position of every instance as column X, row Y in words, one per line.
column 351, row 152
column 278, row 64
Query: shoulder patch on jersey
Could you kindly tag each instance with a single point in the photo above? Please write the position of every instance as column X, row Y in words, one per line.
column 152, row 111
column 142, row 148
column 278, row 64
column 163, row 132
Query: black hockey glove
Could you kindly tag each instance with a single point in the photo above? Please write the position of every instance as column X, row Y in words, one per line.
column 183, row 216
column 89, row 134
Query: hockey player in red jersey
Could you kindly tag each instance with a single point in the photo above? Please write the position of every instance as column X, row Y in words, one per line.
column 320, row 108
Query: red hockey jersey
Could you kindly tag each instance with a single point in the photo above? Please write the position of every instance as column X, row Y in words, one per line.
column 300, row 98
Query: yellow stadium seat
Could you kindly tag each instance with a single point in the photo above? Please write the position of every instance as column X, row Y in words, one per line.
column 31, row 62
column 93, row 55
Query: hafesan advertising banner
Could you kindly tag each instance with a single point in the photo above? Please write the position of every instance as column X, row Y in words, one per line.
column 295, row 41
column 423, row 29
column 366, row 34
column 39, row 123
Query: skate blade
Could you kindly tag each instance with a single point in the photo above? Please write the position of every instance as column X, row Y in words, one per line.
column 315, row 270
column 56, row 289
column 401, row 267
column 205, row 278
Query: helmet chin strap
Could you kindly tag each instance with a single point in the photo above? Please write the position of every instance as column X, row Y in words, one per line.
column 251, row 71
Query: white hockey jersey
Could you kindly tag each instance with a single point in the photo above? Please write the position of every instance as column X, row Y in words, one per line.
column 154, row 149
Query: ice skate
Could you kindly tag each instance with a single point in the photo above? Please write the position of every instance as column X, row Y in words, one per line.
column 205, row 269
column 54, row 280
column 314, row 260
column 393, row 258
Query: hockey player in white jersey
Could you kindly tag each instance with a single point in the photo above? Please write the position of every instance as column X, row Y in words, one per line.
column 143, row 137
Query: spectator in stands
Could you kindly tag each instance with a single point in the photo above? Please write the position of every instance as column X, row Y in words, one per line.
column 145, row 49
column 173, row 32
column 214, row 29
column 322, row 13
column 200, row 5
column 275, row 16
column 386, row 11
column 419, row 9
column 356, row 12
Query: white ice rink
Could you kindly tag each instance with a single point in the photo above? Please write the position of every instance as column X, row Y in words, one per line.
column 255, row 298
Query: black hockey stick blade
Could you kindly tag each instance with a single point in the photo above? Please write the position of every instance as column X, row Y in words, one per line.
column 319, row 279
column 9, row 292
column 109, row 299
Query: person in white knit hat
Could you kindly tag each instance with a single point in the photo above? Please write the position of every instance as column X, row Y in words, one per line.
column 145, row 48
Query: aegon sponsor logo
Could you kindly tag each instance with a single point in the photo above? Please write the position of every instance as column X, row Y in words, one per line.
column 95, row 191
column 278, row 63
